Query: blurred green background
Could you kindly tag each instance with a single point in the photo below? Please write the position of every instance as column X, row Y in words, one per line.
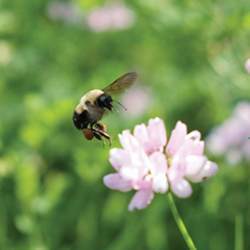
column 191, row 56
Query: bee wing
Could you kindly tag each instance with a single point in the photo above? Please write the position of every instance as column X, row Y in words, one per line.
column 121, row 83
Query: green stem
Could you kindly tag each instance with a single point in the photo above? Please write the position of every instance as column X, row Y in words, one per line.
column 180, row 223
column 238, row 232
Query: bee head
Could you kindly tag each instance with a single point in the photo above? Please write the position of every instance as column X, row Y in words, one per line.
column 105, row 101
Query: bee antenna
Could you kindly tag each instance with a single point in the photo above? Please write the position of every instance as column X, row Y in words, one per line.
column 120, row 105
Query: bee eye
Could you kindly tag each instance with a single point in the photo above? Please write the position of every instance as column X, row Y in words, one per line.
column 105, row 101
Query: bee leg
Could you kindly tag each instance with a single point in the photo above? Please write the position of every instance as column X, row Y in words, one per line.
column 102, row 129
column 107, row 136
column 101, row 126
column 104, row 134
column 92, row 125
column 97, row 135
column 109, row 142
column 101, row 134
column 95, row 132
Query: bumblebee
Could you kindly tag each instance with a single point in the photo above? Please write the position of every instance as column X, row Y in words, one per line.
column 95, row 103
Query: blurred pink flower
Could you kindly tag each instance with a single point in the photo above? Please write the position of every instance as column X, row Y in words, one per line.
column 110, row 17
column 67, row 12
column 231, row 137
column 147, row 165
column 247, row 65
column 136, row 100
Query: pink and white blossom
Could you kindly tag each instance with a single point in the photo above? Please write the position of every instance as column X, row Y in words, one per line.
column 148, row 164
column 185, row 152
column 66, row 12
column 140, row 165
column 231, row 138
column 110, row 17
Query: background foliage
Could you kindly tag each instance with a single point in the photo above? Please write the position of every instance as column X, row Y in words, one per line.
column 190, row 54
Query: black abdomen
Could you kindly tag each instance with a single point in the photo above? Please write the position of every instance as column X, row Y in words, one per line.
column 81, row 121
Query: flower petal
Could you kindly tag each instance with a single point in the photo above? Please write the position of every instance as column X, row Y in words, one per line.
column 194, row 135
column 153, row 137
column 209, row 169
column 177, row 168
column 141, row 199
column 118, row 158
column 158, row 169
column 141, row 134
column 194, row 164
column 130, row 173
column 160, row 184
column 159, row 163
column 197, row 148
column 115, row 181
column 157, row 133
column 181, row 188
column 191, row 147
column 139, row 165
column 128, row 141
column 145, row 183
column 177, row 138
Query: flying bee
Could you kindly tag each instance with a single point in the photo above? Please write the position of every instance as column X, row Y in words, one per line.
column 94, row 104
